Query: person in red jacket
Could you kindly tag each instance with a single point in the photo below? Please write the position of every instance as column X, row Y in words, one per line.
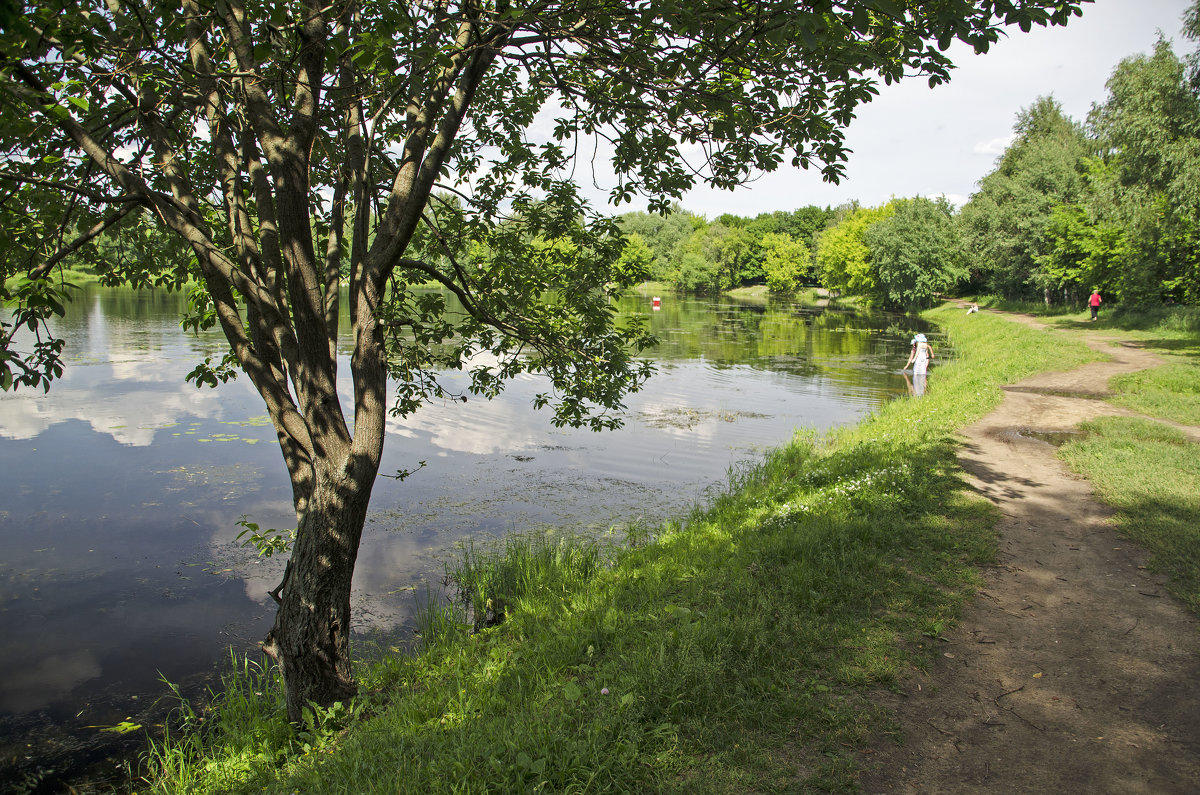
column 1094, row 303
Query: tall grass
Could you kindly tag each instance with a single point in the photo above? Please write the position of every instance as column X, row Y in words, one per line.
column 736, row 652
column 1171, row 392
column 1169, row 319
column 490, row 583
column 237, row 739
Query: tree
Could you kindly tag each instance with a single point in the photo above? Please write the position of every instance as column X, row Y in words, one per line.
column 636, row 256
column 1004, row 223
column 915, row 253
column 1149, row 186
column 1084, row 253
column 843, row 258
column 662, row 233
column 286, row 142
column 785, row 260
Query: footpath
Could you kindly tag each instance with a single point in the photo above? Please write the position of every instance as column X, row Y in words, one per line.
column 1073, row 670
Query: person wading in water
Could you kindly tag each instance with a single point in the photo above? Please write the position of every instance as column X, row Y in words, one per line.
column 919, row 358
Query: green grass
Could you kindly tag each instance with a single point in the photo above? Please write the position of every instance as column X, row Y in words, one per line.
column 1029, row 307
column 736, row 650
column 652, row 288
column 760, row 294
column 240, row 736
column 1149, row 472
column 1171, row 392
column 68, row 275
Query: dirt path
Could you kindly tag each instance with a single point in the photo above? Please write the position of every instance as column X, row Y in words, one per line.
column 1073, row 671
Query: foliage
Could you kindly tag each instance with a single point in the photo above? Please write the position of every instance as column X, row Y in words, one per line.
column 1113, row 206
column 1083, row 253
column 915, row 253
column 286, row 144
column 1149, row 128
column 843, row 259
column 763, row 621
column 786, row 261
column 268, row 542
column 662, row 233
column 636, row 256
column 695, row 255
column 1004, row 225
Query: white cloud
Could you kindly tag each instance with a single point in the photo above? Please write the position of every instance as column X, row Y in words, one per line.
column 916, row 141
column 996, row 146
column 956, row 199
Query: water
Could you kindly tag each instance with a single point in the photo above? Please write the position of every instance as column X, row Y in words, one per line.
column 123, row 486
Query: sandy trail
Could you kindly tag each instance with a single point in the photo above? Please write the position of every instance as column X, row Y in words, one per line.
column 1073, row 670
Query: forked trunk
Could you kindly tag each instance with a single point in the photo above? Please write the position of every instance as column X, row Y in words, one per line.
column 311, row 636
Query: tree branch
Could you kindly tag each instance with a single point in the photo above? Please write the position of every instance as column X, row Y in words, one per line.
column 79, row 242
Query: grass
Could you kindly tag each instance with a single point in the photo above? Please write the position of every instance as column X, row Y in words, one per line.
column 1146, row 470
column 1149, row 472
column 61, row 275
column 760, row 294
column 1030, row 307
column 652, row 288
column 736, row 650
column 1171, row 392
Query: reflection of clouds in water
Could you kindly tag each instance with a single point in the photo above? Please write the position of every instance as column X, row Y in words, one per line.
column 21, row 418
column 258, row 583
column 30, row 687
column 129, row 417
column 142, row 370
column 389, row 568
column 231, row 558
column 389, row 565
column 478, row 426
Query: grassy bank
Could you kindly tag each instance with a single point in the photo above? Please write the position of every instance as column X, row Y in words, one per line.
column 735, row 649
column 61, row 275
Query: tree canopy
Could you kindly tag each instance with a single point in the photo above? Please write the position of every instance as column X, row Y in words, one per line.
column 1004, row 223
column 916, row 253
column 843, row 259
column 1112, row 204
column 294, row 148
column 1148, row 183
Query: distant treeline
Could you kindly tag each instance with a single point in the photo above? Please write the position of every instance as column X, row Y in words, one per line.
column 1112, row 203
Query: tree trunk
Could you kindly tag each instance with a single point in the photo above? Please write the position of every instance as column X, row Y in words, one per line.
column 311, row 636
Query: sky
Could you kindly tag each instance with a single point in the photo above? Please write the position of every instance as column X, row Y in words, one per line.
column 915, row 141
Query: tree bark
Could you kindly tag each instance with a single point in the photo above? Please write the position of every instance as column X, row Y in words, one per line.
column 311, row 636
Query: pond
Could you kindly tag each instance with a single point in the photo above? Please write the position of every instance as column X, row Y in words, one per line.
column 123, row 485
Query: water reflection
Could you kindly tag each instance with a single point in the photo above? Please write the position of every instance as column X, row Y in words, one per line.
column 123, row 485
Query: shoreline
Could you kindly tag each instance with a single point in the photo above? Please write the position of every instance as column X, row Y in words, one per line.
column 744, row 647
